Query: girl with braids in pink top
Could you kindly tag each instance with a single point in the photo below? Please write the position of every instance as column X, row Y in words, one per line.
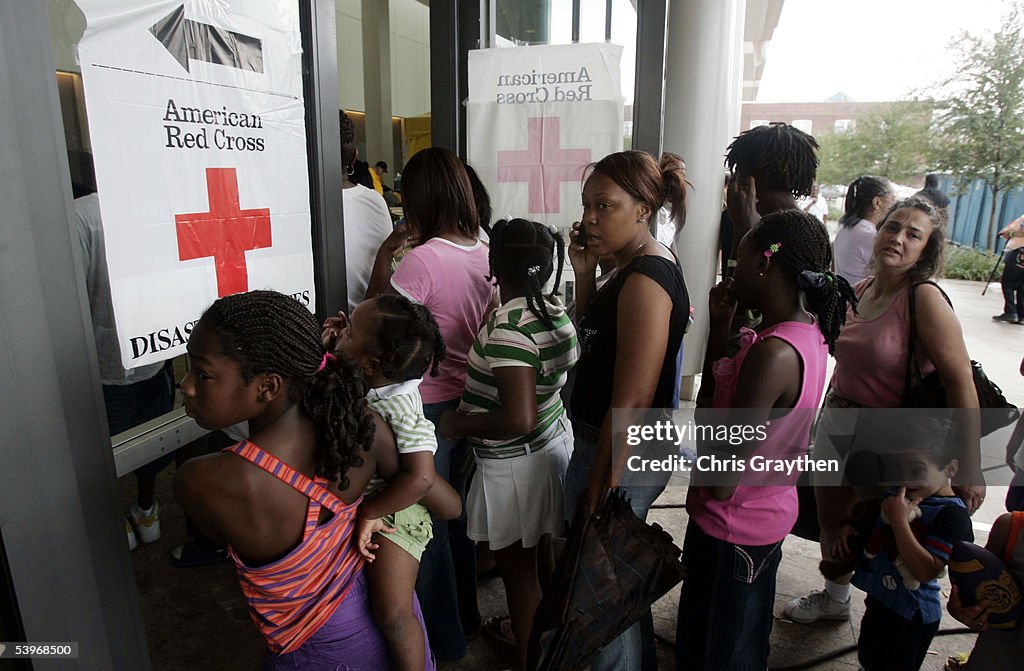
column 734, row 536
column 285, row 501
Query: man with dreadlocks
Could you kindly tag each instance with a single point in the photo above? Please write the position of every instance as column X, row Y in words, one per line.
column 772, row 166
column 513, row 415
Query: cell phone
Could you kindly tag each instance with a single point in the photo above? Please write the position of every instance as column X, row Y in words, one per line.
column 580, row 239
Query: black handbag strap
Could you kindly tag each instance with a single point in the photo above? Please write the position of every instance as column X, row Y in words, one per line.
column 913, row 365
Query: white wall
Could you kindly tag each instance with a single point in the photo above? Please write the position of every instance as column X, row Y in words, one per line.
column 410, row 56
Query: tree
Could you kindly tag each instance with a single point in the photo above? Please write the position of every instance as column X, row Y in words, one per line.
column 891, row 141
column 980, row 125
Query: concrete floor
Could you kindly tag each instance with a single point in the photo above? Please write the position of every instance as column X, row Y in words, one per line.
column 196, row 618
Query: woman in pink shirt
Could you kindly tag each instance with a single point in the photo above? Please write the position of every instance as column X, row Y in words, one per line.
column 446, row 271
column 872, row 359
column 738, row 522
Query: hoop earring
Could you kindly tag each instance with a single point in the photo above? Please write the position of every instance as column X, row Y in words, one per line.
column 350, row 170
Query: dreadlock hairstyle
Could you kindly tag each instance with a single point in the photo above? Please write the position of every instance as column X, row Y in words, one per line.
column 778, row 156
column 932, row 259
column 859, row 197
column 800, row 243
column 639, row 175
column 269, row 332
column 407, row 341
column 522, row 253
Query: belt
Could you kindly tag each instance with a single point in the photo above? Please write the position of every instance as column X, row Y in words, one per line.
column 509, row 451
column 834, row 400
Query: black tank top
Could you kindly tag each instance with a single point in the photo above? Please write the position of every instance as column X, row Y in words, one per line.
column 598, row 337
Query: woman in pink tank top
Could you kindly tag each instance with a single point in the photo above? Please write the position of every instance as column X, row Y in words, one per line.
column 737, row 523
column 872, row 359
column 285, row 501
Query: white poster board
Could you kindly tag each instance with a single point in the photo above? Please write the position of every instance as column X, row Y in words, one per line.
column 197, row 127
column 537, row 117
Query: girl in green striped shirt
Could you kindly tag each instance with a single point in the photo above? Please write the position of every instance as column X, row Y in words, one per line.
column 512, row 413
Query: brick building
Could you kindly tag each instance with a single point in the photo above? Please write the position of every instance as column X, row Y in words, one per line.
column 838, row 113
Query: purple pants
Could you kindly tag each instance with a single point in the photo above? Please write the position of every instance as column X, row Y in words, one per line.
column 349, row 641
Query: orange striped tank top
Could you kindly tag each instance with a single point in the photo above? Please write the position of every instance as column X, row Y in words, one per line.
column 292, row 597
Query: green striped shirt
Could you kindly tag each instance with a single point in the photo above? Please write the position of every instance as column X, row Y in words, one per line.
column 513, row 336
column 401, row 407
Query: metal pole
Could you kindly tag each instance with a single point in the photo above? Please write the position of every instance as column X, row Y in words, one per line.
column 999, row 259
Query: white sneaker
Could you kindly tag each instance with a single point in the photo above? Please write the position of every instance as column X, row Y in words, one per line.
column 133, row 542
column 816, row 606
column 146, row 526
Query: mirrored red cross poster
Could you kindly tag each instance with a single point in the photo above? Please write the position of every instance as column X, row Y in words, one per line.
column 197, row 128
column 537, row 117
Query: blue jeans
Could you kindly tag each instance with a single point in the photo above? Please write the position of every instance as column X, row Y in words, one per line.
column 446, row 585
column 725, row 605
column 629, row 651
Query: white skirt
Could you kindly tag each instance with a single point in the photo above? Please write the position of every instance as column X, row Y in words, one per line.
column 520, row 499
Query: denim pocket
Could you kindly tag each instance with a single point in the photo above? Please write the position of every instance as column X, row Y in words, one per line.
column 750, row 561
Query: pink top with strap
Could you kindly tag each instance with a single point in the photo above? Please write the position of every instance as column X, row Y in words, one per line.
column 759, row 514
column 292, row 597
column 871, row 355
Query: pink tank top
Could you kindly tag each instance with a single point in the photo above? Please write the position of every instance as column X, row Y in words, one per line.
column 871, row 355
column 763, row 514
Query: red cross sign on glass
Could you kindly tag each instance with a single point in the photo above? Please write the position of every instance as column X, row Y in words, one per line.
column 226, row 232
column 543, row 165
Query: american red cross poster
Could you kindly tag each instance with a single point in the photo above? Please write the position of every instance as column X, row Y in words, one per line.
column 537, row 116
column 196, row 121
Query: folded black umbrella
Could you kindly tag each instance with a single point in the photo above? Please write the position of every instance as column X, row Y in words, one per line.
column 613, row 568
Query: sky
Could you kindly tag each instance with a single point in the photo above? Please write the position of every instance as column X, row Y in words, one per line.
column 872, row 50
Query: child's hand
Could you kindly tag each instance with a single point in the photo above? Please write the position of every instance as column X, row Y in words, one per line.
column 975, row 617
column 722, row 302
column 364, row 536
column 898, row 507
column 447, row 425
column 332, row 330
column 841, row 548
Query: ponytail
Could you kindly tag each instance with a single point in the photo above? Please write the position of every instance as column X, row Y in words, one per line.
column 859, row 196
column 673, row 187
column 523, row 253
column 335, row 399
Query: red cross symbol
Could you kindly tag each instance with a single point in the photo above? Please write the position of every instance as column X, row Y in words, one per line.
column 543, row 165
column 225, row 232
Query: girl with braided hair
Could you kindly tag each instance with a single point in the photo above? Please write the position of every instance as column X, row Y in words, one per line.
column 868, row 200
column 775, row 382
column 873, row 364
column 512, row 413
column 396, row 342
column 285, row 500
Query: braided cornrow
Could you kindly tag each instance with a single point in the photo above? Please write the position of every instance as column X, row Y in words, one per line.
column 779, row 156
column 803, row 248
column 523, row 252
column 269, row 332
column 407, row 340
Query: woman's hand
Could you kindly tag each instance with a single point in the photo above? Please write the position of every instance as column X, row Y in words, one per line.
column 584, row 262
column 972, row 496
column 365, row 528
column 741, row 202
column 975, row 617
column 399, row 238
column 447, row 425
column 722, row 302
column 332, row 329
